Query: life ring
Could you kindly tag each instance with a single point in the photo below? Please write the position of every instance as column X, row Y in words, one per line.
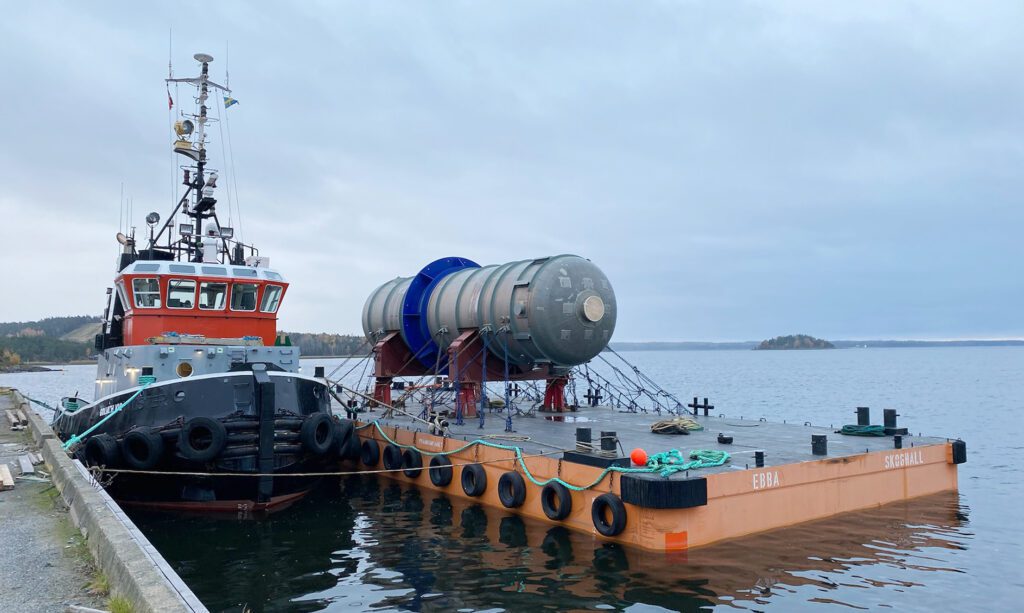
column 512, row 489
column 412, row 463
column 102, row 450
column 202, row 439
column 317, row 433
column 440, row 471
column 369, row 452
column 609, row 514
column 142, row 449
column 474, row 480
column 556, row 501
column 344, row 430
column 392, row 457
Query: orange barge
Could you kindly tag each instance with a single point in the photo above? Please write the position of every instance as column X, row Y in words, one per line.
column 686, row 509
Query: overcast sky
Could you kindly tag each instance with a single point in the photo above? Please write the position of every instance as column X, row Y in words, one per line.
column 738, row 169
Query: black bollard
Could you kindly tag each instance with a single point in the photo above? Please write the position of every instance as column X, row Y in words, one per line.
column 583, row 439
column 608, row 440
column 759, row 459
column 863, row 416
column 889, row 418
column 318, row 372
column 889, row 421
column 897, row 441
column 819, row 444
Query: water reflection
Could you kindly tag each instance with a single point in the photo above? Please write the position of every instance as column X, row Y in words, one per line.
column 368, row 543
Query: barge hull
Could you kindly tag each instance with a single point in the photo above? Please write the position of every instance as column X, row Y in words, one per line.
column 738, row 499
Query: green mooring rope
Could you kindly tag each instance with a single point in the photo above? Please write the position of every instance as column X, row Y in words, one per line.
column 78, row 437
column 705, row 459
column 851, row 430
column 673, row 461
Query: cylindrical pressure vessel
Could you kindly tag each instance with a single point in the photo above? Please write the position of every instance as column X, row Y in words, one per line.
column 558, row 310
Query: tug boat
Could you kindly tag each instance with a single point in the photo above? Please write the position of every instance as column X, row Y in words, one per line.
column 192, row 376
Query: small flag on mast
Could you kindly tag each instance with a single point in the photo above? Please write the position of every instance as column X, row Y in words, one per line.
column 229, row 101
column 170, row 101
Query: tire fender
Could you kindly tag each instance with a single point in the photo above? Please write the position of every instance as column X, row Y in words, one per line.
column 202, row 439
column 556, row 501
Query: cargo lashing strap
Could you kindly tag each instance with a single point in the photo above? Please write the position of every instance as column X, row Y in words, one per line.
column 664, row 463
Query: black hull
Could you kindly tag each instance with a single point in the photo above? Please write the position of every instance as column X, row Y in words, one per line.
column 261, row 416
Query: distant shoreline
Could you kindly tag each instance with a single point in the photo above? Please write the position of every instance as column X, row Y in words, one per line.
column 34, row 367
column 734, row 345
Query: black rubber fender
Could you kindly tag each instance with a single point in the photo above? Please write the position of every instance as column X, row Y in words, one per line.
column 344, row 431
column 102, row 450
column 317, row 433
column 142, row 449
column 512, row 490
column 202, row 439
column 556, row 501
column 474, row 480
column 369, row 452
column 440, row 471
column 412, row 463
column 352, row 449
column 392, row 457
column 612, row 505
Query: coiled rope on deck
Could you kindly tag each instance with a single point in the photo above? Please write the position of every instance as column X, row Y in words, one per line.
column 672, row 461
column 852, row 430
column 676, row 425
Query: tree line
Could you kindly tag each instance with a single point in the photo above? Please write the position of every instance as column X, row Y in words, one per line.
column 324, row 344
column 16, row 350
column 54, row 327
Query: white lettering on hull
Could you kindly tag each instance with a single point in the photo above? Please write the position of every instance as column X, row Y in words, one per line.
column 765, row 480
column 903, row 460
column 433, row 444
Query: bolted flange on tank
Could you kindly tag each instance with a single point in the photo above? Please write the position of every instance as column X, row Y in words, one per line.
column 558, row 310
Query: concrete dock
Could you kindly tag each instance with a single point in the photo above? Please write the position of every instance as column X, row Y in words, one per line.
column 64, row 543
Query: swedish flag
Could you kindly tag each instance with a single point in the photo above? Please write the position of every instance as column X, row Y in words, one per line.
column 229, row 101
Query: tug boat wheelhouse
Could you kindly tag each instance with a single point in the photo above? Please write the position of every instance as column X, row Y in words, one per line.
column 192, row 376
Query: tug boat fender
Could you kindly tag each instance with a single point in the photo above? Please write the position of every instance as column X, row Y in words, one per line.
column 202, row 439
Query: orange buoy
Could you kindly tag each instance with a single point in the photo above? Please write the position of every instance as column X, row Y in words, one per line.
column 639, row 457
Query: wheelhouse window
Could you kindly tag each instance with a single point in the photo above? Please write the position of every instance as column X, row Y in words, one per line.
column 212, row 296
column 271, row 299
column 147, row 293
column 181, row 293
column 243, row 296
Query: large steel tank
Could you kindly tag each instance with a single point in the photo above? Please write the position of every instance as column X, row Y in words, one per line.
column 557, row 310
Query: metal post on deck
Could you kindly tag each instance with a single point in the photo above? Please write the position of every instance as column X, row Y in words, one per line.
column 265, row 402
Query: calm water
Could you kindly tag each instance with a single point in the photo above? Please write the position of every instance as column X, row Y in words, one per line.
column 366, row 543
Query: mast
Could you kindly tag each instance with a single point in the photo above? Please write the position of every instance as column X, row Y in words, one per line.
column 198, row 203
